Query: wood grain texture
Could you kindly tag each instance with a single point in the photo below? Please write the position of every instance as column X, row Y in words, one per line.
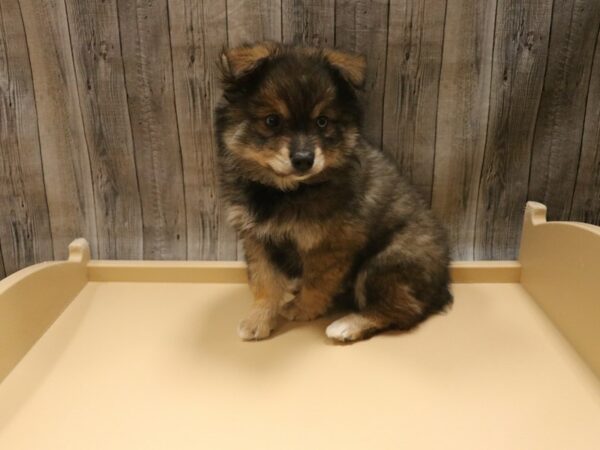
column 586, row 197
column 253, row 20
column 64, row 149
column 2, row 270
column 520, row 55
column 559, row 127
column 414, row 60
column 144, row 28
column 308, row 22
column 24, row 220
column 198, row 33
column 462, row 118
column 106, row 111
column 362, row 27
column 96, row 47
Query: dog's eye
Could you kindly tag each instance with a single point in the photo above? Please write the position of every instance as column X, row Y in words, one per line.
column 322, row 121
column 273, row 120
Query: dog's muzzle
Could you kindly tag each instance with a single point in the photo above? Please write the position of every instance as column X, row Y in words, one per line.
column 302, row 161
column 302, row 154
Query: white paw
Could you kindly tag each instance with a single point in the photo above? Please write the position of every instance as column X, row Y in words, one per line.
column 254, row 328
column 345, row 329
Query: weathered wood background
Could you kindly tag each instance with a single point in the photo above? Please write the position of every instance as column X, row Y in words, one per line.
column 106, row 110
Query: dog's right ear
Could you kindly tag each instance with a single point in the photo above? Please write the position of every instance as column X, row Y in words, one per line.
column 238, row 62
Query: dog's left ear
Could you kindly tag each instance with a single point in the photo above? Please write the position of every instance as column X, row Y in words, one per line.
column 352, row 66
column 240, row 61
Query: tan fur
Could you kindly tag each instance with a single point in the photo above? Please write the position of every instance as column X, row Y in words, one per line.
column 268, row 287
column 239, row 218
column 263, row 156
column 266, row 283
column 273, row 103
column 351, row 65
column 241, row 60
column 321, row 107
column 325, row 267
column 276, row 157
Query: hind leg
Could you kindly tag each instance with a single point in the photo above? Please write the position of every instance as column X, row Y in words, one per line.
column 356, row 326
column 385, row 301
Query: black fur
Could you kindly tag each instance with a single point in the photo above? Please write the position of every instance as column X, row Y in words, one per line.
column 356, row 214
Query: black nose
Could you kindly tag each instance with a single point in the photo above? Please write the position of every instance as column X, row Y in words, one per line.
column 302, row 160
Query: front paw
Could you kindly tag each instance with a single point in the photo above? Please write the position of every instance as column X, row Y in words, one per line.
column 258, row 325
column 292, row 311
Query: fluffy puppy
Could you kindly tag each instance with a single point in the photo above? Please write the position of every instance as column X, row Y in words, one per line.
column 321, row 212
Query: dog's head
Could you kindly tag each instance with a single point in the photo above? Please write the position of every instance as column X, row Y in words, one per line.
column 289, row 114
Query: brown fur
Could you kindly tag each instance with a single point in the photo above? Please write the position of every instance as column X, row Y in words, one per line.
column 268, row 287
column 242, row 60
column 351, row 65
column 345, row 224
column 325, row 267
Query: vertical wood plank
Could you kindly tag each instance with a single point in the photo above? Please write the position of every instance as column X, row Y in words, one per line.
column 559, row 126
column 414, row 61
column 462, row 118
column 24, row 222
column 362, row 26
column 144, row 28
column 308, row 22
column 586, row 198
column 64, row 149
column 520, row 54
column 253, row 20
column 198, row 33
column 94, row 31
column 2, row 270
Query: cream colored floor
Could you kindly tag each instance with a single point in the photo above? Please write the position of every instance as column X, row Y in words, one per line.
column 159, row 366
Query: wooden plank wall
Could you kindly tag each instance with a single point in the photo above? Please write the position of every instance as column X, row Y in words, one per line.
column 106, row 115
column 25, row 234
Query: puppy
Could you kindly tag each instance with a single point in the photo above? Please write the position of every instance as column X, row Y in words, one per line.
column 321, row 212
